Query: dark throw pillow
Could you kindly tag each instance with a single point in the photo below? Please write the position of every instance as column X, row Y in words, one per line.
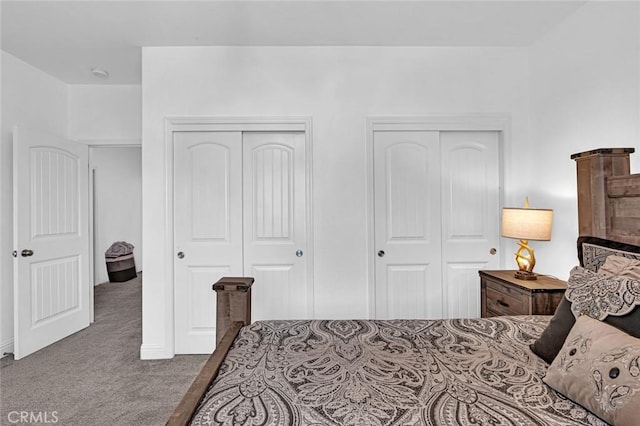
column 552, row 338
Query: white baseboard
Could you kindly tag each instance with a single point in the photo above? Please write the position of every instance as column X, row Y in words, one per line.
column 6, row 348
column 155, row 352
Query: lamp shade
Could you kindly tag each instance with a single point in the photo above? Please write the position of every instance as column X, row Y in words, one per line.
column 526, row 223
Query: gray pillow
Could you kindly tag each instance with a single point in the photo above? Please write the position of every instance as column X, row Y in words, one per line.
column 621, row 266
column 599, row 368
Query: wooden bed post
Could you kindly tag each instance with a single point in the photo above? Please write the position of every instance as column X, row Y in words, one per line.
column 233, row 303
column 593, row 169
column 233, row 311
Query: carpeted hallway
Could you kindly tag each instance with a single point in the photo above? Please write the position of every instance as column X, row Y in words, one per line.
column 95, row 377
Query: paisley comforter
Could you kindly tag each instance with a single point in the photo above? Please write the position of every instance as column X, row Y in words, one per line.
column 395, row 372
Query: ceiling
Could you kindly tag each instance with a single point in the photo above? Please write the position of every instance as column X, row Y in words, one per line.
column 67, row 38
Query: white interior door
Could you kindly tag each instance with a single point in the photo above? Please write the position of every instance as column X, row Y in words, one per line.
column 239, row 209
column 275, row 223
column 407, row 225
column 470, row 216
column 207, row 230
column 436, row 219
column 52, row 291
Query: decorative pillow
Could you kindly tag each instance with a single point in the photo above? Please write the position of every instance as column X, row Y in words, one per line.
column 594, row 303
column 599, row 368
column 601, row 295
column 593, row 251
column 621, row 266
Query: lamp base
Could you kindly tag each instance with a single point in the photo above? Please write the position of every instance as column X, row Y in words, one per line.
column 525, row 275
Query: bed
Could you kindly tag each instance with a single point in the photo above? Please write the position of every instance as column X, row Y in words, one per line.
column 511, row 370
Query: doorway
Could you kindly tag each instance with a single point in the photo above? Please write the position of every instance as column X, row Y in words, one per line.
column 116, row 202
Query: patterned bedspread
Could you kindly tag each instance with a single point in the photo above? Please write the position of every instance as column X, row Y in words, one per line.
column 397, row 372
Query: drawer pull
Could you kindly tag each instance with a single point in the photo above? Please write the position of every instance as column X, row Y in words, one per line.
column 501, row 303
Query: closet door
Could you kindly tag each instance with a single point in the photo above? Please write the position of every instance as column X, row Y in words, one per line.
column 407, row 225
column 436, row 207
column 239, row 209
column 470, row 216
column 207, row 230
column 275, row 246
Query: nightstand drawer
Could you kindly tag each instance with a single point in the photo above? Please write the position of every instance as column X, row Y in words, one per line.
column 504, row 305
column 503, row 294
column 505, row 300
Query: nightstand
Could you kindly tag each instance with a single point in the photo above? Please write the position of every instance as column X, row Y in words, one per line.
column 503, row 294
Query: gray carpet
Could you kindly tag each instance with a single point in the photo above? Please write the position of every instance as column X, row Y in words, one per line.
column 95, row 377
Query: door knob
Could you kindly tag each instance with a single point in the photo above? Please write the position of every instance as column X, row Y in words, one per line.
column 26, row 253
column 492, row 251
column 180, row 255
column 381, row 253
column 299, row 253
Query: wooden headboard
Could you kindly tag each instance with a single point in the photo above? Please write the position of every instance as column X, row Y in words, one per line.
column 608, row 195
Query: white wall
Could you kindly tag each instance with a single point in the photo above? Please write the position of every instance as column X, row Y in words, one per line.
column 6, row 341
column 117, row 202
column 30, row 98
column 585, row 94
column 105, row 114
column 338, row 88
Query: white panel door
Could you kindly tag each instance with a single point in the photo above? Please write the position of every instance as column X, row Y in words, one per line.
column 51, row 268
column 470, row 216
column 407, row 225
column 207, row 230
column 275, row 243
column 437, row 210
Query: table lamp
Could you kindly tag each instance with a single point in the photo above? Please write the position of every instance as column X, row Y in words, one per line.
column 526, row 224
